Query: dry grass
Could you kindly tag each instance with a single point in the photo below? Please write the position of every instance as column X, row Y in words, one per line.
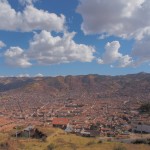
column 62, row 141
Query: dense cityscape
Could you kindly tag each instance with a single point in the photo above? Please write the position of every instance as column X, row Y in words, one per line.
column 109, row 116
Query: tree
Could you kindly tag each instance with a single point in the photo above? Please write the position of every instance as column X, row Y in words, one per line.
column 145, row 108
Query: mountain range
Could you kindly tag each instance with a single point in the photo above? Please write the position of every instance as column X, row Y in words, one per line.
column 134, row 86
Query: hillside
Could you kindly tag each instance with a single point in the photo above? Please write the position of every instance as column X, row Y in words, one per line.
column 134, row 86
column 58, row 140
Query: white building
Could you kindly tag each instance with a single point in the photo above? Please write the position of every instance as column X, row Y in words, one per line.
column 142, row 128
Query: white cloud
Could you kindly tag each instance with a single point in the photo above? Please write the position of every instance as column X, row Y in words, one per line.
column 125, row 61
column 30, row 19
column 2, row 76
column 15, row 56
column 23, row 75
column 27, row 2
column 128, row 19
column 46, row 49
column 13, row 52
column 103, row 36
column 39, row 75
column 2, row 44
column 122, row 18
column 141, row 51
column 27, row 75
column 113, row 56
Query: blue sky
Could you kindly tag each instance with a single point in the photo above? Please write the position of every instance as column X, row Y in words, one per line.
column 74, row 37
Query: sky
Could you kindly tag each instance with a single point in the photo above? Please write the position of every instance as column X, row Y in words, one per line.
column 74, row 37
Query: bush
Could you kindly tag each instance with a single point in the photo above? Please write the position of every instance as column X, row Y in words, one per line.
column 90, row 143
column 4, row 145
column 145, row 108
column 100, row 142
column 119, row 147
column 60, row 140
column 73, row 146
column 109, row 140
column 140, row 141
column 148, row 141
column 51, row 147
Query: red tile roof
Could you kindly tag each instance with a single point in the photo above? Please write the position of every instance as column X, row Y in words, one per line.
column 60, row 121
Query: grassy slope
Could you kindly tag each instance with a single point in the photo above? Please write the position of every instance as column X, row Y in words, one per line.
column 63, row 141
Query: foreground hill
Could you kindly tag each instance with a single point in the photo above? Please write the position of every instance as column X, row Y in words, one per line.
column 59, row 140
column 134, row 86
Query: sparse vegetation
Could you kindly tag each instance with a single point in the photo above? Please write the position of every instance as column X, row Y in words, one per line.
column 100, row 142
column 65, row 142
column 119, row 147
column 141, row 141
column 51, row 146
column 145, row 108
column 90, row 143
column 4, row 146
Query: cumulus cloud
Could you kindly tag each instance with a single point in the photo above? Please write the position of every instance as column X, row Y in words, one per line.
column 15, row 56
column 122, row 18
column 2, row 44
column 113, row 56
column 128, row 19
column 29, row 19
column 47, row 49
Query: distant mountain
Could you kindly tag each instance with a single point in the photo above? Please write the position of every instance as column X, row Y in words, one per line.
column 135, row 86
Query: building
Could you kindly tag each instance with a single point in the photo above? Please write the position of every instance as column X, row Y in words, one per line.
column 89, row 133
column 69, row 129
column 144, row 128
column 30, row 132
column 60, row 122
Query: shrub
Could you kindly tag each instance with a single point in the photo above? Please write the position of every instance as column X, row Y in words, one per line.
column 109, row 140
column 119, row 147
column 148, row 141
column 100, row 142
column 140, row 141
column 73, row 146
column 4, row 145
column 90, row 143
column 60, row 140
column 145, row 108
column 51, row 147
